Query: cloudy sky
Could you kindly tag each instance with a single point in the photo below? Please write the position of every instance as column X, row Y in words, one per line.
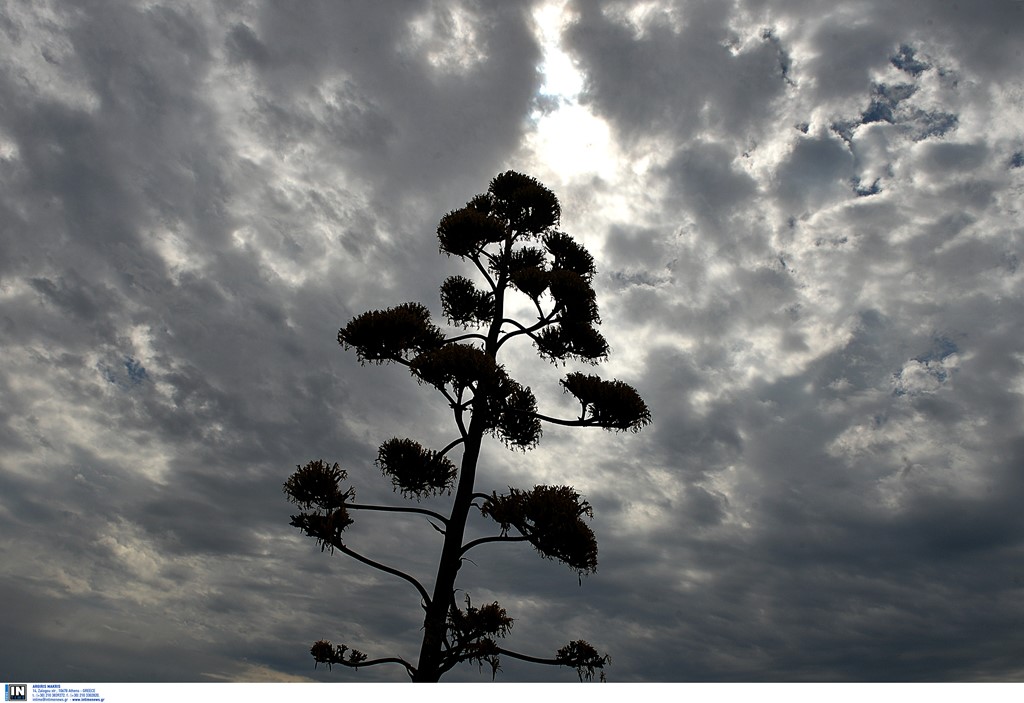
column 806, row 217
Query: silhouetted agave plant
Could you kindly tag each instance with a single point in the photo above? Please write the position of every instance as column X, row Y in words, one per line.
column 508, row 235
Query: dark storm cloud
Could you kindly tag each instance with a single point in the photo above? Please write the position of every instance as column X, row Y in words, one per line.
column 690, row 80
column 405, row 121
column 828, row 512
column 822, row 320
column 816, row 173
column 806, row 572
column 707, row 185
column 243, row 45
column 176, row 349
column 953, row 158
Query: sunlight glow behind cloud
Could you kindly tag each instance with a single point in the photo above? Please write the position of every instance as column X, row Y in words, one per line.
column 569, row 140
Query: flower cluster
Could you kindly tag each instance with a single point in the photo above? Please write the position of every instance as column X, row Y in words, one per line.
column 464, row 304
column 613, row 405
column 316, row 489
column 380, row 336
column 582, row 656
column 415, row 470
column 473, row 631
column 457, row 365
column 551, row 518
column 325, row 653
column 465, row 232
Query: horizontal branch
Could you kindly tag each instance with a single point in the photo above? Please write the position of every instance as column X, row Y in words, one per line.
column 409, row 668
column 528, row 658
column 567, row 423
column 590, row 421
column 469, row 335
column 397, row 509
column 497, row 538
column 386, row 569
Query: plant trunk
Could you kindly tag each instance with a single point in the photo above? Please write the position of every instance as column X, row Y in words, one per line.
column 435, row 623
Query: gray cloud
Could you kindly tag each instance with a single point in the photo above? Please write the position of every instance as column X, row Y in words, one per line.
column 694, row 80
column 808, row 265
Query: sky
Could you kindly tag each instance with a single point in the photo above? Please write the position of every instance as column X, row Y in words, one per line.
column 806, row 219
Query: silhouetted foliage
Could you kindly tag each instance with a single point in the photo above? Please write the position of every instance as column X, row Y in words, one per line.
column 580, row 655
column 569, row 256
column 613, row 405
column 550, row 517
column 382, row 336
column 473, row 630
column 465, row 232
column 316, row 487
column 415, row 471
column 511, row 415
column 465, row 304
column 571, row 340
column 508, row 235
